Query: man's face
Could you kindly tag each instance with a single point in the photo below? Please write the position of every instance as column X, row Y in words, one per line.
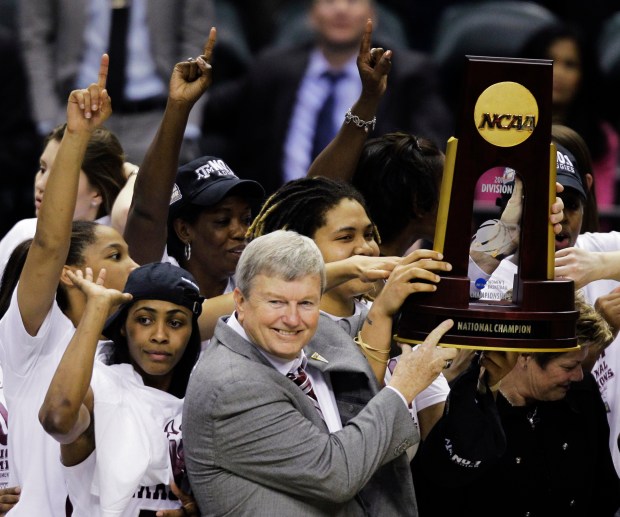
column 340, row 23
column 280, row 316
column 573, row 217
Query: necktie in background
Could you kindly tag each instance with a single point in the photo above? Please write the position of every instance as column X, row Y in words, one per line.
column 118, row 50
column 300, row 377
column 324, row 128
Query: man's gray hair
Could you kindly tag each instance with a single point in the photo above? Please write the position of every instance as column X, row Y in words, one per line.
column 282, row 254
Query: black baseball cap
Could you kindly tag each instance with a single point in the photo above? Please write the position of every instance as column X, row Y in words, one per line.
column 156, row 281
column 567, row 173
column 207, row 180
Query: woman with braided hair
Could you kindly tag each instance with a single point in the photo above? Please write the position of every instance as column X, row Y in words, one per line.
column 334, row 215
column 307, row 206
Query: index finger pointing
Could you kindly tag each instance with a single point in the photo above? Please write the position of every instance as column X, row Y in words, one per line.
column 103, row 71
column 207, row 51
column 437, row 333
column 366, row 38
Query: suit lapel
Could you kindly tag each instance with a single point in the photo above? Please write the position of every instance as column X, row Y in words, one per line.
column 333, row 352
column 227, row 337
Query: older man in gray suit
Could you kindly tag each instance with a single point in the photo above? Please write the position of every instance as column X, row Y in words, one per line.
column 283, row 419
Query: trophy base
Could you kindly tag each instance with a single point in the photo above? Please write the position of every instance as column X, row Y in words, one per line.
column 549, row 326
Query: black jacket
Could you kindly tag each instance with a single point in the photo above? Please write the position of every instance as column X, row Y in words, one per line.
column 556, row 463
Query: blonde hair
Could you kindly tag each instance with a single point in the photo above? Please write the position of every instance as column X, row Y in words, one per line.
column 591, row 326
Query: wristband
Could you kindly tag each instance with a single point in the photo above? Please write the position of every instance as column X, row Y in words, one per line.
column 369, row 351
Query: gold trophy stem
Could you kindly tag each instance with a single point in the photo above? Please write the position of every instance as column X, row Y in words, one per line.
column 445, row 194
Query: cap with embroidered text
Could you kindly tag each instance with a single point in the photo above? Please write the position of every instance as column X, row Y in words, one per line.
column 157, row 281
column 206, row 181
column 567, row 173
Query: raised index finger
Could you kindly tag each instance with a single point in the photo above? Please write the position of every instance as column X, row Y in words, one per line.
column 437, row 333
column 207, row 51
column 103, row 71
column 366, row 38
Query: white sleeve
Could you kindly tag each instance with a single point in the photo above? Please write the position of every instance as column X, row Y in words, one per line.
column 22, row 230
column 477, row 278
column 437, row 392
column 19, row 351
column 608, row 241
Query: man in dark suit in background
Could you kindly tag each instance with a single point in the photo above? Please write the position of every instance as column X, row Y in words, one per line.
column 265, row 125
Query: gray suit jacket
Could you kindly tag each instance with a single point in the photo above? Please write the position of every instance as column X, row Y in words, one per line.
column 52, row 39
column 255, row 445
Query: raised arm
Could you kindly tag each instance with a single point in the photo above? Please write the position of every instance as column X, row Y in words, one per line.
column 86, row 110
column 146, row 228
column 339, row 159
column 120, row 208
column 66, row 413
column 584, row 266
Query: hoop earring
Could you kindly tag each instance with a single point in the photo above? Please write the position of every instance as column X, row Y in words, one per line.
column 188, row 250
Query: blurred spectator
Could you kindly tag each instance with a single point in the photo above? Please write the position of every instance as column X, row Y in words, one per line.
column 264, row 125
column 63, row 40
column 577, row 102
column 589, row 20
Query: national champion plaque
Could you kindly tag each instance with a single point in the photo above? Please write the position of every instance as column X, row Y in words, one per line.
column 502, row 150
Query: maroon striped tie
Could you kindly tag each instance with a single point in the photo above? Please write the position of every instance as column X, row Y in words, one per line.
column 303, row 381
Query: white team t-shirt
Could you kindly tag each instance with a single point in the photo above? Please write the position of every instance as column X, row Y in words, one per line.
column 132, row 423
column 29, row 363
column 21, row 231
column 607, row 367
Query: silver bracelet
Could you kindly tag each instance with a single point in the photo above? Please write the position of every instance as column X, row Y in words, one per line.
column 365, row 124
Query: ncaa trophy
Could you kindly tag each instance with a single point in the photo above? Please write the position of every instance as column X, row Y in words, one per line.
column 505, row 123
